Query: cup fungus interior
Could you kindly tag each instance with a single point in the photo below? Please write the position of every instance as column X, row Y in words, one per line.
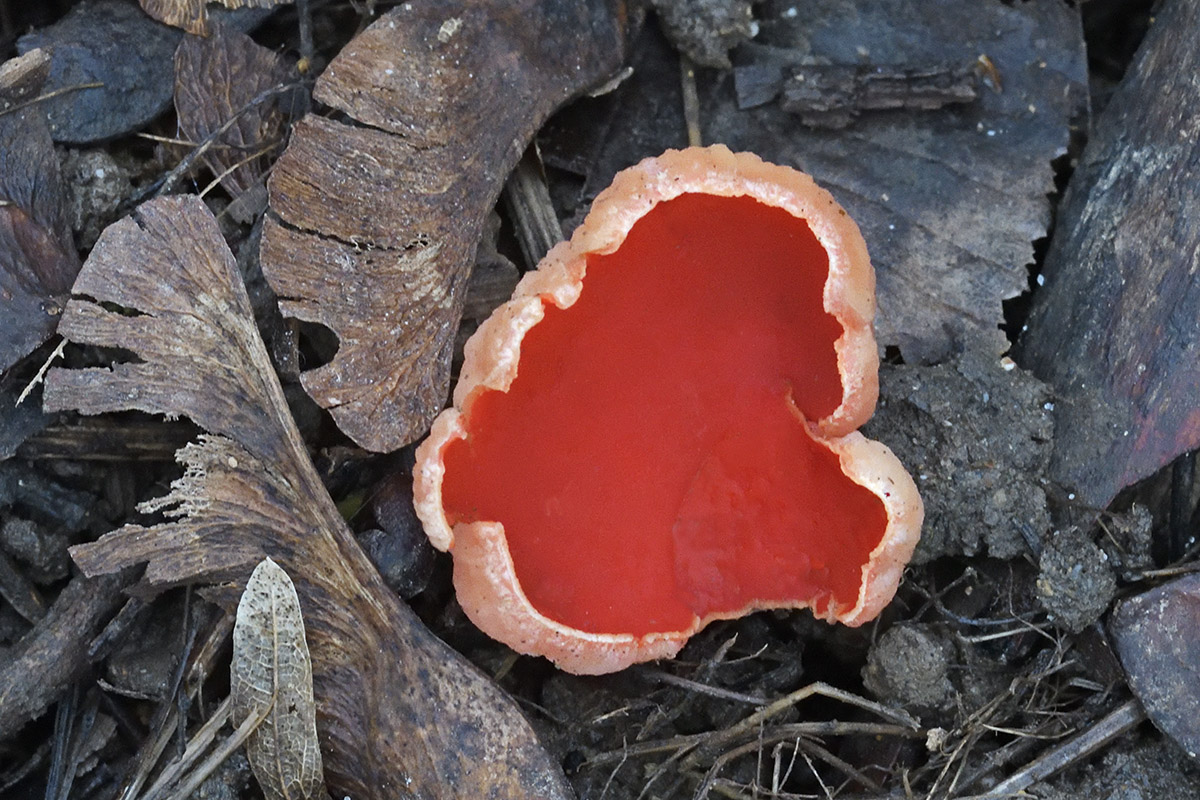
column 650, row 462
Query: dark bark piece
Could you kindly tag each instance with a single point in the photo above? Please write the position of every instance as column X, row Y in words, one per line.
column 1114, row 330
column 378, row 225
column 833, row 96
column 38, row 261
column 949, row 201
column 397, row 707
column 216, row 78
column 53, row 655
column 1155, row 637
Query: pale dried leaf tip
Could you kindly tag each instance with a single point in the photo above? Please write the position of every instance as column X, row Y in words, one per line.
column 271, row 667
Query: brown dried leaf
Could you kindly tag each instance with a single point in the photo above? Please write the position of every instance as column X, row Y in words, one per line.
column 1155, row 637
column 271, row 669
column 192, row 16
column 216, row 78
column 950, row 201
column 396, row 706
column 37, row 253
column 377, row 223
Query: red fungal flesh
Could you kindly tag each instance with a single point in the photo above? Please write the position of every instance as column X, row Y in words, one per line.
column 647, row 463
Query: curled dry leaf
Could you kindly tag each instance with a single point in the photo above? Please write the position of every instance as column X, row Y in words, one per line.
column 271, row 668
column 191, row 15
column 377, row 219
column 217, row 79
column 396, row 706
column 38, row 261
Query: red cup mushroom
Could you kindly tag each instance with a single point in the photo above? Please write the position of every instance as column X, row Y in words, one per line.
column 659, row 429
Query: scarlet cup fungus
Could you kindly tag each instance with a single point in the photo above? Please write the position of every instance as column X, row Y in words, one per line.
column 659, row 429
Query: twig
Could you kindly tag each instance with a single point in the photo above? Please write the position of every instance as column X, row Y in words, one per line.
column 691, row 100
column 1118, row 722
column 822, row 689
column 235, row 740
column 703, row 688
column 166, row 183
column 196, row 747
column 49, row 96
column 527, row 198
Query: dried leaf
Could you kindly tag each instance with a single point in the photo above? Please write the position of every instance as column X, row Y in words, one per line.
column 216, row 78
column 1155, row 637
column 396, row 706
column 37, row 253
column 271, row 668
column 949, row 201
column 192, row 15
column 111, row 68
column 377, row 222
column 1114, row 328
column 112, row 44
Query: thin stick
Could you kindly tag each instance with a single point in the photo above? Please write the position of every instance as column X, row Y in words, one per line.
column 49, row 96
column 798, row 696
column 196, row 747
column 168, row 181
column 703, row 688
column 1120, row 721
column 691, row 100
column 527, row 198
column 218, row 756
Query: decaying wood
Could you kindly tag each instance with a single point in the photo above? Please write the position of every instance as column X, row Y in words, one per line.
column 55, row 653
column 527, row 199
column 833, row 96
column 1114, row 330
column 376, row 220
column 400, row 714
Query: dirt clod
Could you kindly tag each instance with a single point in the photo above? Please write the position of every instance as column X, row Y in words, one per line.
column 96, row 185
column 909, row 667
column 1076, row 584
column 976, row 435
